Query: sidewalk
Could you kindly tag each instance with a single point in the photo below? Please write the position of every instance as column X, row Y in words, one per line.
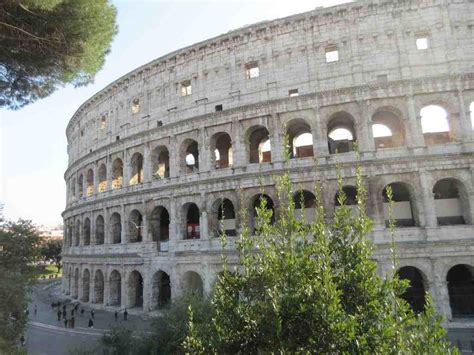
column 46, row 292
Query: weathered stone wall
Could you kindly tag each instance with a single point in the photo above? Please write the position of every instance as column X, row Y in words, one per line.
column 379, row 70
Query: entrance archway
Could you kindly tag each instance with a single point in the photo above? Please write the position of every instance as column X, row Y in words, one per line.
column 461, row 290
column 161, row 289
column 135, row 289
column 415, row 293
column 115, row 283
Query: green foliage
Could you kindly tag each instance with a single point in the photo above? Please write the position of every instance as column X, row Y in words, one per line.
column 49, row 43
column 312, row 287
column 18, row 251
column 51, row 252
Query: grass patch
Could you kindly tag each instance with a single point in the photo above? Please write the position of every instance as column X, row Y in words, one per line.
column 48, row 272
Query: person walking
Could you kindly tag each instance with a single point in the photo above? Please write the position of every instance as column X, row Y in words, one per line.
column 72, row 322
column 27, row 312
column 92, row 313
column 64, row 313
column 91, row 323
column 36, row 310
column 59, row 315
column 116, row 315
column 125, row 314
column 65, row 322
column 82, row 311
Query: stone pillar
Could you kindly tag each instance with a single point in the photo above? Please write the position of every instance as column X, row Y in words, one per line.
column 123, row 220
column 276, row 140
column 93, row 239
column 204, row 151
column 375, row 204
column 465, row 131
column 428, row 201
column 414, row 134
column 124, row 302
column 204, row 227
column 106, row 288
column 79, row 283
column 174, row 220
column 320, row 139
column 239, row 151
column 110, row 172
column 174, row 158
column 91, row 285
column 126, row 169
column 107, row 229
column 147, row 168
column 145, row 235
column 147, row 289
column 366, row 139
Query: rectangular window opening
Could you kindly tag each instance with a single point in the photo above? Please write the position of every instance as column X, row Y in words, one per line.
column 219, row 108
column 252, row 71
column 135, row 106
column 186, row 88
column 293, row 92
column 117, row 138
column 103, row 122
column 422, row 43
column 332, row 55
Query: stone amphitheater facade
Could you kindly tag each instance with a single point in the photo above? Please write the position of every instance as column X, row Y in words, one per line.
column 154, row 156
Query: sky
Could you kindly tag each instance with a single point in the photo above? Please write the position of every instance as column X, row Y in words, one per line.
column 33, row 144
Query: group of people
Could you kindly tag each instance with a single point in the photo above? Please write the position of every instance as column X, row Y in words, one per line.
column 70, row 322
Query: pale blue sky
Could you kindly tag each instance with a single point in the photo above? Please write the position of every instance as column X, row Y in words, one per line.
column 33, row 141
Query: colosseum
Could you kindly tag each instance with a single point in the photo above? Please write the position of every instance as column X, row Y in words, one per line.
column 158, row 157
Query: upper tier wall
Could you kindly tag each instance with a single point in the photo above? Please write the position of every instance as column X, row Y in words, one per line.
column 375, row 41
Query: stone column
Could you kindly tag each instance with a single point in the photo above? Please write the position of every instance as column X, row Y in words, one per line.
column 123, row 290
column 366, row 140
column 145, row 235
column 414, row 134
column 239, row 151
column 79, row 284
column 147, row 288
column 147, row 173
column 107, row 229
column 203, row 224
column 93, row 239
column 375, row 204
column 204, row 151
column 110, row 172
column 428, row 201
column 174, row 221
column 276, row 140
column 126, row 169
column 123, row 220
column 320, row 139
column 174, row 158
column 91, row 285
column 106, row 288
column 465, row 131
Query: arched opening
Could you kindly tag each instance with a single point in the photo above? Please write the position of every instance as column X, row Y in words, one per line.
column 102, row 178
column 402, row 212
column 192, row 214
column 415, row 293
column 160, row 224
column 300, row 139
column 221, row 146
column 135, row 225
column 226, row 218
column 77, row 234
column 190, row 149
column 73, row 187
column 305, row 205
column 99, row 230
column 90, row 182
column 116, row 228
column 80, row 186
column 115, row 283
column 117, row 174
column 451, row 202
column 348, row 198
column 192, row 283
column 261, row 200
column 161, row 162
column 70, row 231
column 387, row 130
column 86, row 280
column 137, row 169
column 75, row 288
column 161, row 293
column 135, row 289
column 99, row 287
column 461, row 290
column 435, row 125
column 259, row 145
column 87, row 231
column 341, row 133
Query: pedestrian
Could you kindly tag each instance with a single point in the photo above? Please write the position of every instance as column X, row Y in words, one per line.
column 22, row 340
column 91, row 323
column 65, row 322
column 92, row 313
column 72, row 322
column 82, row 311
column 59, row 315
column 76, row 307
column 64, row 307
column 125, row 314
column 27, row 312
column 36, row 310
column 116, row 315
column 64, row 314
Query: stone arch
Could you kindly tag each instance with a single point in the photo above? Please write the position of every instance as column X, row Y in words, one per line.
column 161, row 291
column 341, row 132
column 393, row 135
column 160, row 224
column 451, row 202
column 87, row 231
column 90, row 182
column 136, row 165
column 86, row 281
column 300, row 139
column 189, row 156
column 73, row 186
column 223, row 217
column 416, row 291
column 135, row 225
column 115, row 285
column 257, row 201
column 191, row 221
column 435, row 124
column 135, row 289
column 259, row 145
column 75, row 286
column 99, row 230
column 404, row 209
column 77, row 233
column 350, row 196
column 117, row 174
column 192, row 283
column 461, row 290
column 221, row 150
column 116, row 228
column 102, row 176
column 99, row 287
column 80, row 185
column 160, row 158
column 305, row 205
column 70, row 231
